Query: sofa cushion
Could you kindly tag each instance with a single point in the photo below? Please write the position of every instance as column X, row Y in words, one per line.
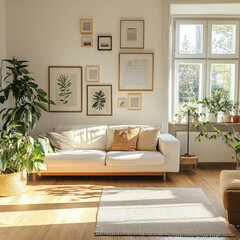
column 137, row 158
column 76, row 158
column 125, row 140
column 87, row 136
column 62, row 141
column 148, row 139
column 111, row 130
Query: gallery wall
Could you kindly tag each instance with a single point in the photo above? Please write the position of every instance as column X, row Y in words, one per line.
column 47, row 33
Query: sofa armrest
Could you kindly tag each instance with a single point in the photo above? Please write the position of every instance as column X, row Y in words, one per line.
column 169, row 146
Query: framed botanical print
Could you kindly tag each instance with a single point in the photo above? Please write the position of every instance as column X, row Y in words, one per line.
column 136, row 71
column 122, row 102
column 65, row 88
column 99, row 100
column 131, row 34
column 92, row 74
column 134, row 101
column 87, row 41
column 104, row 43
column 86, row 26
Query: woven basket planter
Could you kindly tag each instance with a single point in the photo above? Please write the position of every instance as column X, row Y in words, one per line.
column 13, row 183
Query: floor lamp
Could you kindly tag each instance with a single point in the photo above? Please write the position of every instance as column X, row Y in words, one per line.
column 188, row 125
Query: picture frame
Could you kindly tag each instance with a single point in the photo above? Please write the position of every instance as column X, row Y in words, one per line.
column 92, row 74
column 134, row 101
column 132, row 34
column 99, row 100
column 104, row 43
column 86, row 25
column 87, row 41
column 65, row 88
column 136, row 72
column 122, row 102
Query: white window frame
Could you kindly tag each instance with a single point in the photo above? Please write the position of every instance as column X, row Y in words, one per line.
column 176, row 85
column 204, row 40
column 209, row 46
column 234, row 85
column 205, row 59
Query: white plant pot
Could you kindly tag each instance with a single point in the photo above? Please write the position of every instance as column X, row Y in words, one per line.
column 224, row 118
column 211, row 117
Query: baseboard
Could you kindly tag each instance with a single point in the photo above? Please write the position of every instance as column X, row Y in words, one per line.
column 227, row 164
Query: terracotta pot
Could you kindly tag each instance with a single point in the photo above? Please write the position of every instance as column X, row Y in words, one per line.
column 235, row 119
column 13, row 183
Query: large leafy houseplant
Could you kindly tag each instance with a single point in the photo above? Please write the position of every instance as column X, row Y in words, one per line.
column 18, row 150
column 29, row 99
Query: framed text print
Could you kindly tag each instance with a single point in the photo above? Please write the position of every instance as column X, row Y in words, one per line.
column 65, row 88
column 134, row 101
column 136, row 71
column 132, row 34
column 92, row 74
column 86, row 26
column 99, row 100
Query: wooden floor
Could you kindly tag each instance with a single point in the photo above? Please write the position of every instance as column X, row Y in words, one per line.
column 65, row 208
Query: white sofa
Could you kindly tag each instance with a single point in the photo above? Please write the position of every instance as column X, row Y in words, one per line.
column 94, row 156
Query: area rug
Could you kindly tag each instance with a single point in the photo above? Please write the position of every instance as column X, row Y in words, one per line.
column 184, row 212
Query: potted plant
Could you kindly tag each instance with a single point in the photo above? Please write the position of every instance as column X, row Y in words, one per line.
column 231, row 139
column 226, row 108
column 19, row 154
column 213, row 105
column 235, row 117
column 18, row 150
column 194, row 111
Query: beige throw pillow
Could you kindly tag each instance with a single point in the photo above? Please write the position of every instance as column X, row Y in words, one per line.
column 147, row 139
column 125, row 140
column 62, row 141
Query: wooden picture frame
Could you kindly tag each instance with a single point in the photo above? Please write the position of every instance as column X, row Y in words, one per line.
column 99, row 100
column 87, row 41
column 86, row 25
column 65, row 88
column 134, row 101
column 136, row 72
column 104, row 43
column 132, row 34
column 122, row 103
column 92, row 74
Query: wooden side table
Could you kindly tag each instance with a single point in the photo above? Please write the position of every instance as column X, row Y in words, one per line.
column 193, row 160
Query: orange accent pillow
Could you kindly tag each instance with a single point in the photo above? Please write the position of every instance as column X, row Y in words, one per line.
column 125, row 140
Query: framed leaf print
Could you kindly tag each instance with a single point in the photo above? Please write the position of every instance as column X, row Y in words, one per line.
column 65, row 88
column 99, row 100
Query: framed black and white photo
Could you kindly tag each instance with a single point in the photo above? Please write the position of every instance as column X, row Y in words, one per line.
column 86, row 26
column 99, row 100
column 92, row 74
column 65, row 88
column 86, row 41
column 122, row 102
column 104, row 43
column 136, row 71
column 131, row 34
column 134, row 101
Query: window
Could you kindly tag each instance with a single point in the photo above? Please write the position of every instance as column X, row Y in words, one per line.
column 206, row 58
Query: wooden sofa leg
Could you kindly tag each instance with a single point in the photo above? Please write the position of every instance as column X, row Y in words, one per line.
column 164, row 176
column 34, row 177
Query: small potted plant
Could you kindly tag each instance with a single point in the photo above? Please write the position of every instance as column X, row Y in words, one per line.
column 235, row 118
column 213, row 105
column 226, row 109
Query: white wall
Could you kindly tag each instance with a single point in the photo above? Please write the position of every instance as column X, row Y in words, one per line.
column 220, row 8
column 2, row 39
column 47, row 32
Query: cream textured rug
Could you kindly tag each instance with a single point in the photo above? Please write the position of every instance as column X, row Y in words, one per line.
column 182, row 212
